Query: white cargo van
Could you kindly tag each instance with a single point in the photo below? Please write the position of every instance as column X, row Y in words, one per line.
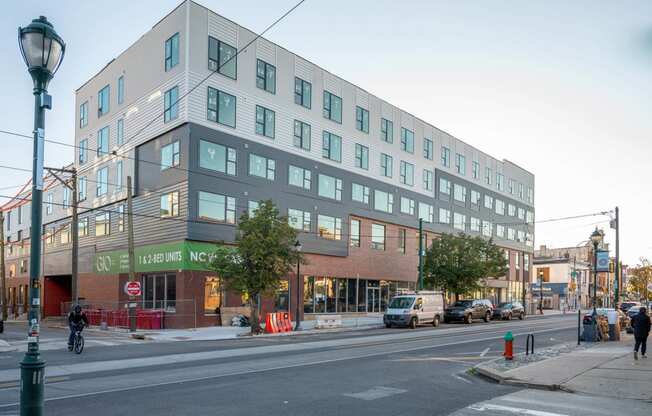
column 412, row 309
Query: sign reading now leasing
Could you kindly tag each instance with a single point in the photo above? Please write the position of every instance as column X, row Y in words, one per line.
column 181, row 255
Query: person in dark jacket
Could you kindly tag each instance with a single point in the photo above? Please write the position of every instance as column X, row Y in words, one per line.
column 641, row 326
column 76, row 321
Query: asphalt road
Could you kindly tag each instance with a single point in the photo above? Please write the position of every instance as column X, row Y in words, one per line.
column 373, row 372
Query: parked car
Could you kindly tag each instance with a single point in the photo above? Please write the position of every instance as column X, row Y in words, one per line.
column 414, row 309
column 626, row 306
column 630, row 314
column 622, row 317
column 468, row 310
column 509, row 310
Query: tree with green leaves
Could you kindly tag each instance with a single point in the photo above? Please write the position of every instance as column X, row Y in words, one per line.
column 264, row 253
column 458, row 264
column 638, row 280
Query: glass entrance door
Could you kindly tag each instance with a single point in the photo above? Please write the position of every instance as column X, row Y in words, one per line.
column 373, row 299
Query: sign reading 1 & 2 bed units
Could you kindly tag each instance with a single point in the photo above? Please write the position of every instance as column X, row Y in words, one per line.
column 181, row 255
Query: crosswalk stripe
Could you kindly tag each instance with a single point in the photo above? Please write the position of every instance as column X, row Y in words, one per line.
column 512, row 410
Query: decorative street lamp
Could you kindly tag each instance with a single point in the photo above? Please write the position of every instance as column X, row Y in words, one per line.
column 297, row 326
column 596, row 239
column 42, row 51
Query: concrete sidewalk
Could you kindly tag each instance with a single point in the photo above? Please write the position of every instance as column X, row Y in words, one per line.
column 603, row 369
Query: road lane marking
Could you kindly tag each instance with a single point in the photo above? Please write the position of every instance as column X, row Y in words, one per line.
column 513, row 410
column 484, row 352
column 459, row 377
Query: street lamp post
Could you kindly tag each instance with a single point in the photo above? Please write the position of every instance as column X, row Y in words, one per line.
column 42, row 50
column 297, row 326
column 596, row 239
column 540, row 292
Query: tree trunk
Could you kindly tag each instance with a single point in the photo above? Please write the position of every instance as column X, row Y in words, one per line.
column 457, row 296
column 255, row 320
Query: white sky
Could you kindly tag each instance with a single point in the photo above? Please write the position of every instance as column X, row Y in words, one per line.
column 562, row 88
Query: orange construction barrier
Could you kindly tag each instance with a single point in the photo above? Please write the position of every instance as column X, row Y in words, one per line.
column 287, row 321
column 270, row 328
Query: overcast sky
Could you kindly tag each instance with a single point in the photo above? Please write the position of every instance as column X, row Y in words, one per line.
column 561, row 88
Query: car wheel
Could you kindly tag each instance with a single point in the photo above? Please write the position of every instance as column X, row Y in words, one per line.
column 509, row 316
column 447, row 321
column 487, row 317
column 435, row 321
column 468, row 319
column 413, row 323
column 521, row 316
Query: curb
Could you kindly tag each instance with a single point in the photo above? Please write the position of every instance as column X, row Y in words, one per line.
column 500, row 379
column 315, row 331
column 6, row 347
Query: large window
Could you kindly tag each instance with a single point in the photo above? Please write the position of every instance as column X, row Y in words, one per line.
column 329, row 227
column 362, row 119
column 460, row 164
column 216, row 207
column 459, row 193
column 221, row 107
column 103, row 141
column 426, row 212
column 361, row 156
column 500, row 207
column 500, row 230
column 83, row 114
column 299, row 220
column 172, row 52
column 170, row 104
column 511, row 234
column 102, row 224
column 475, row 224
column 487, row 229
column 401, row 240
column 121, row 89
column 82, row 191
column 475, row 169
column 48, row 204
column 407, row 205
column 511, row 186
column 487, row 176
column 360, row 193
column 216, row 157
column 103, row 101
column 330, row 187
column 475, row 197
column 299, row 177
column 407, row 140
column 262, row 167
column 118, row 176
column 445, row 157
column 265, row 76
column 160, row 291
column 386, row 130
column 378, row 237
column 500, row 181
column 521, row 213
column 383, row 201
column 529, row 217
column 406, row 173
column 102, row 179
column 212, row 295
column 170, row 155
column 82, row 227
column 302, row 92
column 511, row 210
column 265, row 122
column 170, row 205
column 444, row 216
column 354, row 234
column 222, row 58
column 331, row 146
column 444, row 186
column 301, row 135
column 459, row 221
column 332, row 107
column 428, row 148
column 488, row 202
column 386, row 168
column 121, row 217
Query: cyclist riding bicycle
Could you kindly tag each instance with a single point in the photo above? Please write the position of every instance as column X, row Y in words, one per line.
column 76, row 321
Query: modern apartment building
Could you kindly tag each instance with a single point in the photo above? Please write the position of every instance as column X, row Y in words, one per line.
column 206, row 134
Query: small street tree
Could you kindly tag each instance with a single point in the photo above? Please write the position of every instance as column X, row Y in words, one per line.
column 639, row 279
column 459, row 263
column 263, row 254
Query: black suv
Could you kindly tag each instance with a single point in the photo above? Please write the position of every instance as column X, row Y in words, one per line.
column 468, row 310
column 509, row 310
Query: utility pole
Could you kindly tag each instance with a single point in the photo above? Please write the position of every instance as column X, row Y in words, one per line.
column 2, row 266
column 616, row 225
column 420, row 253
column 74, row 223
column 132, row 260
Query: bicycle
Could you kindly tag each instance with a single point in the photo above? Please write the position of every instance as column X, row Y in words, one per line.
column 78, row 344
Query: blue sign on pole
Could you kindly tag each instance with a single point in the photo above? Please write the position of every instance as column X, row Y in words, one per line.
column 603, row 261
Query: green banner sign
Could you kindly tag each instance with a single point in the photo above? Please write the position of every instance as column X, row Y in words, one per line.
column 182, row 255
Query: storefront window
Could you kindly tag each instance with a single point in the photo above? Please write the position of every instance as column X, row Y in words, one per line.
column 362, row 295
column 160, row 292
column 341, row 295
column 212, row 295
column 282, row 300
column 330, row 294
column 308, row 295
column 320, row 295
column 352, row 296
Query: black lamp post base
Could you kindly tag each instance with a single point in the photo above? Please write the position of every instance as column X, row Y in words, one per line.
column 32, row 384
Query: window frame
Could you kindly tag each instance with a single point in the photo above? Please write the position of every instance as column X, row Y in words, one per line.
column 300, row 93
column 305, row 179
column 376, row 235
column 407, row 140
column 172, row 202
column 362, row 119
column 386, row 130
column 263, row 80
column 328, row 150
column 386, row 165
column 171, row 57
column 170, row 105
column 404, row 178
column 104, row 97
column 337, row 187
column 217, row 108
column 219, row 66
column 269, row 168
column 230, row 164
column 328, row 111
column 302, row 128
column 262, row 128
column 175, row 155
column 361, row 156
column 228, row 212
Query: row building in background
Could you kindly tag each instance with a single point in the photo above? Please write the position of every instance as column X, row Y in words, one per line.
column 205, row 136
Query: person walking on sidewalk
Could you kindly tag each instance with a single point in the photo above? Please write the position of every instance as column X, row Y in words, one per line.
column 641, row 325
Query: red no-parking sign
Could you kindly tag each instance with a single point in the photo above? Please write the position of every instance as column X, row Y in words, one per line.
column 133, row 289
